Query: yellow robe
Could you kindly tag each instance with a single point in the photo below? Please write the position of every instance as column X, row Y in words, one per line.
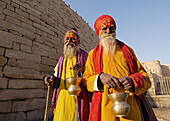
column 117, row 67
column 66, row 105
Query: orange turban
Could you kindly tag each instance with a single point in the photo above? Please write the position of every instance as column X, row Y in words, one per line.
column 100, row 20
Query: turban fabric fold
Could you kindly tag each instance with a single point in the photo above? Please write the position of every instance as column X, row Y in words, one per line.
column 100, row 20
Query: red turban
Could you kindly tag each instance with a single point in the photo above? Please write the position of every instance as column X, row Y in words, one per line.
column 100, row 20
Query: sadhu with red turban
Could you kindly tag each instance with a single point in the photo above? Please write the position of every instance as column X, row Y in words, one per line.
column 113, row 67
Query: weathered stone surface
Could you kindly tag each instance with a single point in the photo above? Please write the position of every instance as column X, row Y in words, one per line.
column 5, row 107
column 15, row 46
column 11, row 94
column 8, row 117
column 28, row 27
column 35, row 115
column 12, row 20
column 3, row 60
column 22, row 83
column 39, row 51
column 25, row 48
column 4, row 82
column 43, row 28
column 12, row 62
column 34, row 66
column 14, row 15
column 19, row 116
column 2, row 51
column 30, row 104
column 48, row 61
column 16, row 72
column 22, row 55
column 15, row 38
column 5, row 43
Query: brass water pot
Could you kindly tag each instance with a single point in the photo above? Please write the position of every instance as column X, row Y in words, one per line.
column 119, row 107
column 73, row 85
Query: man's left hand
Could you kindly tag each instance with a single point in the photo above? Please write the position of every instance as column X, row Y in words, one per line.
column 126, row 82
column 78, row 67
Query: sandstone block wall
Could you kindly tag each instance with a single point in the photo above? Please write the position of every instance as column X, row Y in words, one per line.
column 31, row 41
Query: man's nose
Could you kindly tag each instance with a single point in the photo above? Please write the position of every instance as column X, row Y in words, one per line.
column 69, row 40
column 108, row 30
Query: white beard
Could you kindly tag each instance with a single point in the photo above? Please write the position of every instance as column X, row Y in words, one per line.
column 109, row 44
column 70, row 50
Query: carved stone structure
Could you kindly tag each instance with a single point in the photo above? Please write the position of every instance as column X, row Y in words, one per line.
column 31, row 41
column 160, row 77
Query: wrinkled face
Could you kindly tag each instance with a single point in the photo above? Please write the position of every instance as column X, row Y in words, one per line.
column 107, row 27
column 71, row 37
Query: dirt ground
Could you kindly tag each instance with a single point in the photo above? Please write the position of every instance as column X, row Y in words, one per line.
column 162, row 114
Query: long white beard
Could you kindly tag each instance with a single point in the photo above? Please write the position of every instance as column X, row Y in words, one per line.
column 70, row 51
column 109, row 44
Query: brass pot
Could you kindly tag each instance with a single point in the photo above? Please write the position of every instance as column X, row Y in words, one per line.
column 119, row 107
column 73, row 85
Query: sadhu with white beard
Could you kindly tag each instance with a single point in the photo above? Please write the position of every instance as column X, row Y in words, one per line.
column 66, row 107
column 113, row 65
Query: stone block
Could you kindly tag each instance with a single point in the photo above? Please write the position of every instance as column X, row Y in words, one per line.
column 12, row 62
column 31, row 65
column 25, row 84
column 4, row 82
column 54, row 56
column 15, row 38
column 10, row 7
column 3, row 60
column 2, row 4
column 48, row 61
column 34, row 19
column 11, row 94
column 25, row 48
column 15, row 72
column 22, row 13
column 2, row 16
column 43, row 28
column 42, row 33
column 14, row 27
column 38, row 51
column 22, row 55
column 15, row 46
column 5, row 107
column 14, row 15
column 19, row 116
column 15, row 5
column 5, row 43
column 8, row 117
column 28, row 27
column 2, row 51
column 12, row 20
column 27, row 105
column 41, row 46
column 35, row 115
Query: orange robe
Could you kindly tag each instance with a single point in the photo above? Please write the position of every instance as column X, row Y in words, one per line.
column 117, row 67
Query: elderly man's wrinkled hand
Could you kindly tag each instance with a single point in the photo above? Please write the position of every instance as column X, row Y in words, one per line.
column 109, row 80
column 78, row 67
column 49, row 80
column 126, row 82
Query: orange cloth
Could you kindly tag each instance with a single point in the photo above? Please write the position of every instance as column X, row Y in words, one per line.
column 115, row 66
column 100, row 20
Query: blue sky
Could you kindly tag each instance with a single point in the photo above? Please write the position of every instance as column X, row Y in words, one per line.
column 143, row 25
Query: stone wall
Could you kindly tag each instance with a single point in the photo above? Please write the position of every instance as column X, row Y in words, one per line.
column 159, row 101
column 31, row 41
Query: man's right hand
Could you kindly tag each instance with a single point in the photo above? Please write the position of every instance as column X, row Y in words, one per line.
column 49, row 80
column 109, row 80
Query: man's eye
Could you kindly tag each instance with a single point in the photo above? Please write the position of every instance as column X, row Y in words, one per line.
column 67, row 38
column 105, row 28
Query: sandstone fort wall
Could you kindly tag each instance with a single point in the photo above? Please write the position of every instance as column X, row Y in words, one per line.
column 31, row 42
